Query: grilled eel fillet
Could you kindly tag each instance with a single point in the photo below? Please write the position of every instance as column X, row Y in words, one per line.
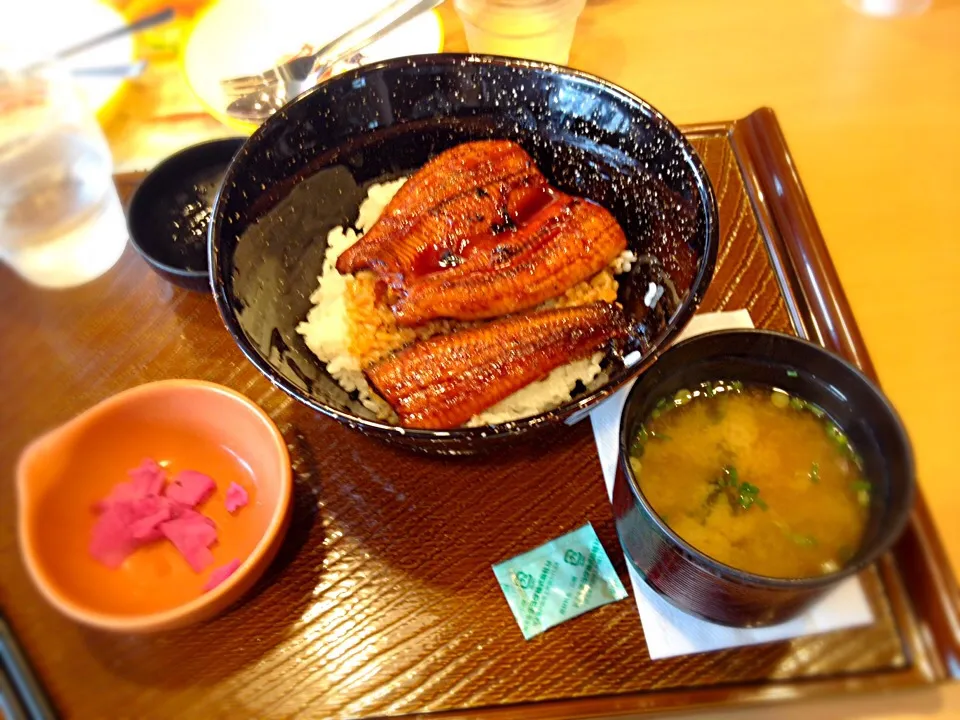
column 566, row 241
column 460, row 192
column 444, row 381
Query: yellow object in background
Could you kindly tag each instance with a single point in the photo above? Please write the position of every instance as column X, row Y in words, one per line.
column 158, row 114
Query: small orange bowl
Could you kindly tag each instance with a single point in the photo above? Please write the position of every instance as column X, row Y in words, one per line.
column 181, row 424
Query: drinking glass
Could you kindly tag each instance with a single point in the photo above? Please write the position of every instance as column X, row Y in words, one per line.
column 61, row 222
column 530, row 29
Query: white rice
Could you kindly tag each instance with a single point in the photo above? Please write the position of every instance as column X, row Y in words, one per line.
column 554, row 390
column 326, row 332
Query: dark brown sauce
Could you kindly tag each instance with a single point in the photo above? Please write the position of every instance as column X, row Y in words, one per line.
column 522, row 205
column 525, row 202
column 433, row 259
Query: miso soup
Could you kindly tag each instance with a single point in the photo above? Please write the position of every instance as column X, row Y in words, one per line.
column 754, row 478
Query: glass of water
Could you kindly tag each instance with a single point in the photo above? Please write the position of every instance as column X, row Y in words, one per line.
column 531, row 29
column 61, row 222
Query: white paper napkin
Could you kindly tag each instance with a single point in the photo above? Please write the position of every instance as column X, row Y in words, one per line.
column 671, row 632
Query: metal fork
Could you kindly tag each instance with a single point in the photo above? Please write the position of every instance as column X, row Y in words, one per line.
column 295, row 73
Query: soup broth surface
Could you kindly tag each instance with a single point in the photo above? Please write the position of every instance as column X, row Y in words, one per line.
column 754, row 478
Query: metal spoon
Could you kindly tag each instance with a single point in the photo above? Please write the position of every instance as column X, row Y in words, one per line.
column 272, row 95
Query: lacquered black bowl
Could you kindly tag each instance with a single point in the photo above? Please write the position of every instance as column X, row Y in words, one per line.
column 308, row 167
column 168, row 215
column 693, row 581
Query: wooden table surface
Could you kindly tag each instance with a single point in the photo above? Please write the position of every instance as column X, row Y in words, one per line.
column 871, row 111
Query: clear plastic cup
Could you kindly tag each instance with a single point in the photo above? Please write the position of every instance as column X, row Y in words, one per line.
column 61, row 221
column 529, row 29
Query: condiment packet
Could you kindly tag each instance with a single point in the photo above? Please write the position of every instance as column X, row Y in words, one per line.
column 557, row 581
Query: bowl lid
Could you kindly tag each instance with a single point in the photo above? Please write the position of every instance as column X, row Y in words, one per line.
column 168, row 215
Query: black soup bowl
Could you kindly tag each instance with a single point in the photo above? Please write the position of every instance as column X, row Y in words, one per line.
column 691, row 580
column 307, row 169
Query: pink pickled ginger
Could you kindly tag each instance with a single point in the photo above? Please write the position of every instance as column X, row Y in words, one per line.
column 190, row 488
column 192, row 534
column 112, row 539
column 147, row 514
column 148, row 509
column 148, row 479
column 237, row 497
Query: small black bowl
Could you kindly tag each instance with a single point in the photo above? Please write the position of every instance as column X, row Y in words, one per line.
column 688, row 578
column 307, row 168
column 168, row 215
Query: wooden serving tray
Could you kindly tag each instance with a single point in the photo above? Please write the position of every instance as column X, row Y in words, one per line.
column 382, row 601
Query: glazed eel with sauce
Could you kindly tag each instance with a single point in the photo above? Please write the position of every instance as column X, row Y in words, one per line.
column 478, row 234
column 442, row 382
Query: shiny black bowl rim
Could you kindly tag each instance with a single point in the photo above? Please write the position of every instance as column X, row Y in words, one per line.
column 742, row 576
column 562, row 413
column 139, row 194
